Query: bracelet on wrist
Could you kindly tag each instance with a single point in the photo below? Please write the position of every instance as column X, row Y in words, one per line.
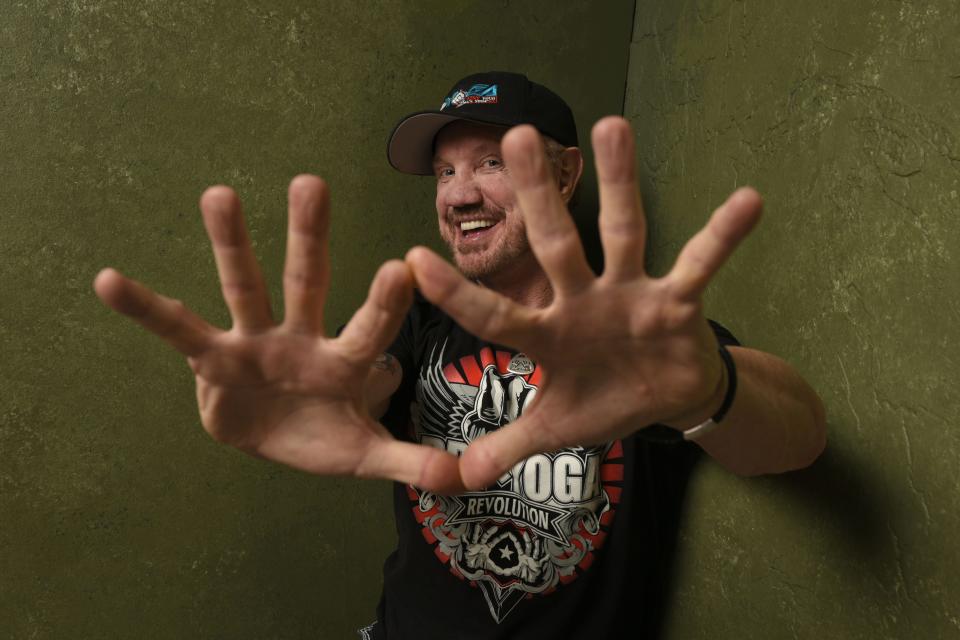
column 704, row 428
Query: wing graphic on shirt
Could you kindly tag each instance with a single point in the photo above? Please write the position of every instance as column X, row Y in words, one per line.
column 442, row 404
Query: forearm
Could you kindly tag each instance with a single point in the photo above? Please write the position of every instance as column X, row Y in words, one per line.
column 776, row 422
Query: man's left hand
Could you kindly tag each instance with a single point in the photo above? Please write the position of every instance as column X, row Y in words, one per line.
column 619, row 351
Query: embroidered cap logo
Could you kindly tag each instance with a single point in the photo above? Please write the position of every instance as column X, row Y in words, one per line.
column 477, row 94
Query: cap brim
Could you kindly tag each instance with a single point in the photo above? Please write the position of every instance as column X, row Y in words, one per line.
column 410, row 148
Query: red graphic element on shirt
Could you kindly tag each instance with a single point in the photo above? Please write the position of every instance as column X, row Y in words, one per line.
column 538, row 527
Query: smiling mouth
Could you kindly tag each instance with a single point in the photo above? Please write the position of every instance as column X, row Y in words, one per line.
column 474, row 228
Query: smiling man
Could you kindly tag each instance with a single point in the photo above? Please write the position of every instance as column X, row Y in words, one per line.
column 477, row 208
column 511, row 398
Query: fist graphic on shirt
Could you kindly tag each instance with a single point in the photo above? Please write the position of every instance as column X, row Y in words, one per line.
column 500, row 400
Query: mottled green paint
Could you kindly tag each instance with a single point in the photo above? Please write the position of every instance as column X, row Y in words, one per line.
column 119, row 518
column 844, row 114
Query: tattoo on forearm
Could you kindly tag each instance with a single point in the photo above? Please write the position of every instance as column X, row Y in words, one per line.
column 386, row 362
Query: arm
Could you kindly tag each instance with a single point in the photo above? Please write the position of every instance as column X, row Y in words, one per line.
column 625, row 348
column 776, row 422
column 284, row 391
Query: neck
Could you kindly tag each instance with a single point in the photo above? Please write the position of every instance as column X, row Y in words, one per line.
column 525, row 284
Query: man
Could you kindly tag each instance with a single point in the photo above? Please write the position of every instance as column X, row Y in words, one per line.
column 524, row 484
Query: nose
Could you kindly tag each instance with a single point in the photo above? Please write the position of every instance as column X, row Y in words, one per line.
column 463, row 191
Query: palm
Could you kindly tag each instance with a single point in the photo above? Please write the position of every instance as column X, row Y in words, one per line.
column 268, row 393
column 285, row 391
column 619, row 351
column 633, row 337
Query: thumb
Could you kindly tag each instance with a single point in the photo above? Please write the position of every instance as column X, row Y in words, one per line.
column 375, row 325
column 416, row 464
column 490, row 456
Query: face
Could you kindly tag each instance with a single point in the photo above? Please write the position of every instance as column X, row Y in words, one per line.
column 476, row 207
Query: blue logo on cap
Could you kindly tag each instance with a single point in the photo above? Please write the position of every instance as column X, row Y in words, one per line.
column 477, row 94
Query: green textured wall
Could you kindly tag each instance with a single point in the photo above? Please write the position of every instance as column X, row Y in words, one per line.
column 844, row 114
column 119, row 518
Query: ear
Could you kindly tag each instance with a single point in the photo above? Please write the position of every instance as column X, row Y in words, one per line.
column 570, row 168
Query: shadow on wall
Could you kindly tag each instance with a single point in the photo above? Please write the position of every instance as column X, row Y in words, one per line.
column 840, row 491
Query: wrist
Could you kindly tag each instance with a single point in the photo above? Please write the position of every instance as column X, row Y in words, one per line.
column 712, row 411
column 705, row 410
column 711, row 423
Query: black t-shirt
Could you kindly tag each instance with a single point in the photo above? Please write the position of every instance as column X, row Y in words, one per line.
column 572, row 544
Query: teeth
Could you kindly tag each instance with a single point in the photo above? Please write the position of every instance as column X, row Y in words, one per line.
column 476, row 224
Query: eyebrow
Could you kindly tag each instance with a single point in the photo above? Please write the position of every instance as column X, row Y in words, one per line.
column 477, row 148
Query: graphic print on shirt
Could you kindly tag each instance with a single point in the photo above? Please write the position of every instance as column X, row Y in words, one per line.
column 538, row 526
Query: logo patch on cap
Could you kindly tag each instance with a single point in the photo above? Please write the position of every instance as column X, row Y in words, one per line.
column 477, row 94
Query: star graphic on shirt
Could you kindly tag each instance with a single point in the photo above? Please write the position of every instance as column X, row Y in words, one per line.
column 505, row 553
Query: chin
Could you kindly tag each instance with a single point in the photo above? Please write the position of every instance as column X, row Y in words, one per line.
column 484, row 267
column 474, row 269
column 492, row 261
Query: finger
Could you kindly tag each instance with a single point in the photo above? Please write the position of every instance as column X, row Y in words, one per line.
column 490, row 456
column 622, row 225
column 552, row 233
column 306, row 272
column 240, row 277
column 422, row 466
column 706, row 252
column 480, row 311
column 375, row 325
column 169, row 319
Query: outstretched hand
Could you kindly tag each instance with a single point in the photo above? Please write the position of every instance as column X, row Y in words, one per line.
column 619, row 351
column 285, row 391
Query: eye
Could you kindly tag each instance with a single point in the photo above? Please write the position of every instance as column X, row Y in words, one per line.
column 492, row 163
column 444, row 172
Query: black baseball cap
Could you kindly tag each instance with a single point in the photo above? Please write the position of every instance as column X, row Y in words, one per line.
column 493, row 97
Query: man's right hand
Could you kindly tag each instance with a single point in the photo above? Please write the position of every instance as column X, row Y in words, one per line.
column 287, row 392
